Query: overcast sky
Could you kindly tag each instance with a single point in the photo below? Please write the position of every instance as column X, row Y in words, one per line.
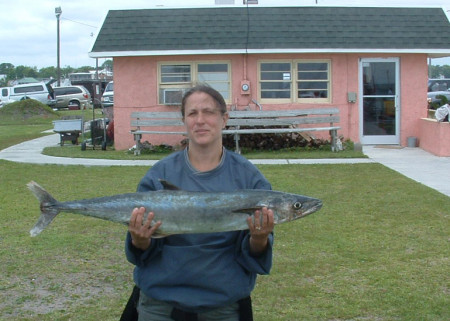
column 28, row 27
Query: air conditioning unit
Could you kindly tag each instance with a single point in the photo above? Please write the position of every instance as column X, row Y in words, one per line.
column 172, row 96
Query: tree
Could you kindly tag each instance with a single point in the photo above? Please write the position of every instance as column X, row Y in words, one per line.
column 66, row 71
column 23, row 71
column 8, row 70
column 108, row 65
column 446, row 71
column 85, row 69
column 48, row 72
column 439, row 71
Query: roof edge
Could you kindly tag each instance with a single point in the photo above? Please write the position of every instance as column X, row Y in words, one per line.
column 106, row 54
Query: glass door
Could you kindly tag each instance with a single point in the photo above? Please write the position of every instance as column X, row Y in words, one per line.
column 379, row 106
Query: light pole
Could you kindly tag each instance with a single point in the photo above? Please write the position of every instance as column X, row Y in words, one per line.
column 58, row 12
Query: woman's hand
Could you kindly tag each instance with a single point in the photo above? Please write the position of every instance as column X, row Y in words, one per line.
column 261, row 226
column 141, row 233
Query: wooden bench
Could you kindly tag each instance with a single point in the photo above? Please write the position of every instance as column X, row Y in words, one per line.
column 243, row 122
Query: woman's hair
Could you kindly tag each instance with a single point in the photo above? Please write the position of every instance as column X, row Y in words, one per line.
column 207, row 90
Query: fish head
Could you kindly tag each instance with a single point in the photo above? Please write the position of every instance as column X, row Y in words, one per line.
column 289, row 207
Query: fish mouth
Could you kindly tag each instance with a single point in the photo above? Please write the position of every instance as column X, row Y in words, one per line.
column 313, row 206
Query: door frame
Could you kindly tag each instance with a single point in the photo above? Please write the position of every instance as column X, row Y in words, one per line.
column 380, row 139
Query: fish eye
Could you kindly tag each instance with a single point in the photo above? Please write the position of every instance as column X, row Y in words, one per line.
column 297, row 205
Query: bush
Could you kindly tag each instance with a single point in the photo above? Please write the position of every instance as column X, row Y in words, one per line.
column 258, row 142
column 443, row 100
column 25, row 110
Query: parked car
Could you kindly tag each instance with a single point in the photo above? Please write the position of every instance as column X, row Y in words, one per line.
column 75, row 97
column 40, row 91
column 435, row 99
column 108, row 95
column 4, row 95
column 440, row 84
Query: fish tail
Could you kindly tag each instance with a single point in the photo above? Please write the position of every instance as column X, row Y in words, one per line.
column 48, row 209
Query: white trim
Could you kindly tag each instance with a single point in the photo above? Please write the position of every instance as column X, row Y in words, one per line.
column 104, row 54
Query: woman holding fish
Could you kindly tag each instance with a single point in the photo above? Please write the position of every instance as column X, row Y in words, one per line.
column 200, row 276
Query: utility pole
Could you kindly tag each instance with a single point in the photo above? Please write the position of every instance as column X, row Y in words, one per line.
column 58, row 12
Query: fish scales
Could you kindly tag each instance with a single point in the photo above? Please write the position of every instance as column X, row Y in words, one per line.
column 181, row 211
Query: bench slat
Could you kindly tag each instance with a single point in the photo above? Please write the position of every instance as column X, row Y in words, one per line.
column 243, row 131
column 156, row 114
column 158, row 132
column 282, row 113
column 275, row 130
column 156, row 122
column 281, row 121
column 246, row 113
column 240, row 122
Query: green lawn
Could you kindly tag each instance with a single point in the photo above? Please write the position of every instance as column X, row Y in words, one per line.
column 378, row 250
column 69, row 150
column 20, row 122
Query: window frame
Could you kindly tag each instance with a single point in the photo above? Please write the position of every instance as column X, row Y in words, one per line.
column 294, row 81
column 194, row 77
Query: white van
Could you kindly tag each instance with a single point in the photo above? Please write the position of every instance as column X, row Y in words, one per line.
column 4, row 96
column 40, row 91
column 108, row 95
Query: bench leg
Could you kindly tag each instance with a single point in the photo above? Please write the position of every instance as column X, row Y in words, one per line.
column 236, row 140
column 137, row 139
column 333, row 140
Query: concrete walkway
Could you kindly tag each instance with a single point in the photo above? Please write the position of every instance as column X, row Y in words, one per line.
column 414, row 163
column 31, row 152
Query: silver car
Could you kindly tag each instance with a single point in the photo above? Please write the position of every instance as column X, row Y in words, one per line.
column 72, row 97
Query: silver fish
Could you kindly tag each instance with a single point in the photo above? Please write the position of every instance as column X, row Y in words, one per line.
column 181, row 211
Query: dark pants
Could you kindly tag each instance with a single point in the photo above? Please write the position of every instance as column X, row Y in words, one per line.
column 130, row 311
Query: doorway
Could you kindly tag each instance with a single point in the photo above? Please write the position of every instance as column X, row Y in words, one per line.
column 379, row 106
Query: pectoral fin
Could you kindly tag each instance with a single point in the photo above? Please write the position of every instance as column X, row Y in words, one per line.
column 169, row 186
column 159, row 236
column 249, row 211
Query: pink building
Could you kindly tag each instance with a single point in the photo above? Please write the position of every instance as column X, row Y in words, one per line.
column 371, row 63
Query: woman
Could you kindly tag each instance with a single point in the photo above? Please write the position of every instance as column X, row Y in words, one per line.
column 200, row 276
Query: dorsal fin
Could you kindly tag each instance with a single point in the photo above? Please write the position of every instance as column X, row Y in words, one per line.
column 168, row 185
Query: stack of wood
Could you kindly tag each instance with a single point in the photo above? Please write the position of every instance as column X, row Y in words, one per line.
column 273, row 141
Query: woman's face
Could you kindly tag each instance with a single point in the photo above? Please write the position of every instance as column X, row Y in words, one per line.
column 203, row 119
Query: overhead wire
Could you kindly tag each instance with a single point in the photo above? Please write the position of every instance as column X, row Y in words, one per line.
column 81, row 23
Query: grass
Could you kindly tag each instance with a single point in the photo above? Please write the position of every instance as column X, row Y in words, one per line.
column 25, row 120
column 75, row 151
column 367, row 255
column 378, row 249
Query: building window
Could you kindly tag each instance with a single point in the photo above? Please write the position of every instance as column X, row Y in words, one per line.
column 295, row 81
column 313, row 80
column 176, row 78
column 215, row 75
column 276, row 80
column 175, row 74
